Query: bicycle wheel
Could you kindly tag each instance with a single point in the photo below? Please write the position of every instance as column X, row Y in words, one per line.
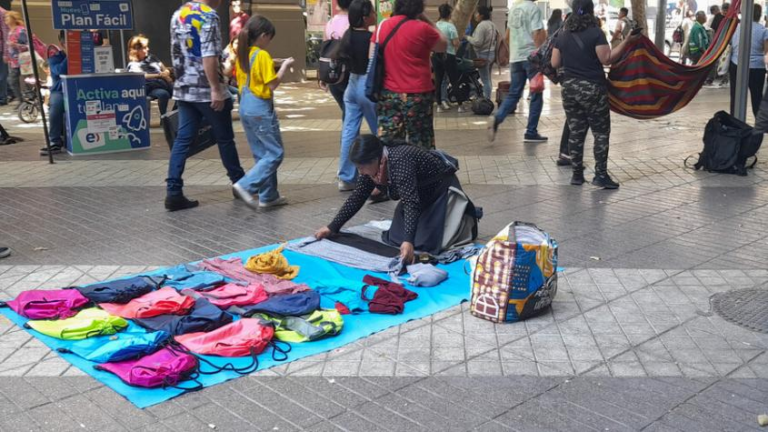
column 28, row 112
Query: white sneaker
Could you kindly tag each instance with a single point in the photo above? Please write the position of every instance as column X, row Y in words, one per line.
column 346, row 186
column 440, row 109
column 274, row 203
column 445, row 105
column 244, row 195
column 462, row 109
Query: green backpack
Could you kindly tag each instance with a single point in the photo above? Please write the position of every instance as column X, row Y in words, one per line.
column 317, row 325
column 87, row 323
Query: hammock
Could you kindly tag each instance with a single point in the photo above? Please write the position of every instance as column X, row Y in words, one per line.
column 646, row 84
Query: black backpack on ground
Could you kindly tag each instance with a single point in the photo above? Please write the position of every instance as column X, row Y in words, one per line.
column 728, row 144
column 331, row 71
column 482, row 106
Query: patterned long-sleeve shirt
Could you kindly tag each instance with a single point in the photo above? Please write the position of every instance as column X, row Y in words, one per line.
column 413, row 172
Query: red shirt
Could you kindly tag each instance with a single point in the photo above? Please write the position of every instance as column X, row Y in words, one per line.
column 407, row 67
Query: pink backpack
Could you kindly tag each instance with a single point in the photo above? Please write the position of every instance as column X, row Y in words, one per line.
column 164, row 368
column 161, row 302
column 47, row 304
column 232, row 295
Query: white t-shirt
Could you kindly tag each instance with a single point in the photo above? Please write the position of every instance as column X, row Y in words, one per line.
column 524, row 19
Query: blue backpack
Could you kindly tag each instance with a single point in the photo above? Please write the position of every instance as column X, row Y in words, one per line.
column 298, row 304
column 204, row 317
column 120, row 291
column 119, row 347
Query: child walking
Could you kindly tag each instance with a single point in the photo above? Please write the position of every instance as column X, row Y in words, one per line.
column 257, row 81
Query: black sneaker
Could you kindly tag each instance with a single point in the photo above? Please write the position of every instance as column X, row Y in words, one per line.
column 578, row 178
column 55, row 149
column 175, row 203
column 5, row 252
column 535, row 138
column 604, row 181
column 563, row 160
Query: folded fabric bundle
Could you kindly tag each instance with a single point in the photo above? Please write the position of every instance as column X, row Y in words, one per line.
column 453, row 255
column 121, row 290
column 47, row 304
column 425, row 275
column 87, row 323
column 203, row 317
column 233, row 269
column 233, row 295
column 274, row 263
column 164, row 301
column 298, row 304
column 118, row 347
column 345, row 255
column 365, row 244
column 342, row 294
column 389, row 298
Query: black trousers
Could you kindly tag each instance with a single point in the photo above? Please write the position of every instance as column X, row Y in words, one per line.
column 444, row 64
column 756, row 86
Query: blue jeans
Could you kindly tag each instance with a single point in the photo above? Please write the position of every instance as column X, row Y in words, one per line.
column 190, row 116
column 3, row 82
column 162, row 97
column 358, row 107
column 263, row 132
column 56, row 118
column 485, row 72
column 520, row 72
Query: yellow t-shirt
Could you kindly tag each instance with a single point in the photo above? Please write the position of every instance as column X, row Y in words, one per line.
column 262, row 73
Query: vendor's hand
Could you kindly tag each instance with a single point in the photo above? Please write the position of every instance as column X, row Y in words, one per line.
column 323, row 232
column 406, row 252
column 217, row 99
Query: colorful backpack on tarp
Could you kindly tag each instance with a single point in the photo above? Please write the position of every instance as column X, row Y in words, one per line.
column 119, row 347
column 241, row 338
column 47, row 304
column 515, row 275
column 87, row 323
column 203, row 317
column 164, row 368
column 298, row 304
column 164, row 301
column 233, row 295
column 319, row 324
column 119, row 291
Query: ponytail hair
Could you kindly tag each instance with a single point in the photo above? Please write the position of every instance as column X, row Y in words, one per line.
column 358, row 11
column 256, row 26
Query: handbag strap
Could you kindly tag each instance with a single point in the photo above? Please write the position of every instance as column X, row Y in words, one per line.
column 579, row 42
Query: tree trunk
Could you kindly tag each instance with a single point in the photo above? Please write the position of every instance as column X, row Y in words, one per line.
column 638, row 14
column 462, row 14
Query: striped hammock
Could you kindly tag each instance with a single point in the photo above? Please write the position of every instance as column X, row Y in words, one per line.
column 646, row 84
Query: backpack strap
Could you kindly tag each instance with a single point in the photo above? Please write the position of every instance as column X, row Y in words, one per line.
column 250, row 68
column 391, row 33
column 695, row 166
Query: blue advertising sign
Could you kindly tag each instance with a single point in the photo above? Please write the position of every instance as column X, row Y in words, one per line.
column 105, row 113
column 86, row 53
column 92, row 14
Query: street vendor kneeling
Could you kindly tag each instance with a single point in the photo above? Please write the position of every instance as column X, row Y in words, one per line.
column 433, row 215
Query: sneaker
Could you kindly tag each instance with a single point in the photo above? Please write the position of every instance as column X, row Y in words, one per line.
column 493, row 127
column 5, row 252
column 280, row 201
column 244, row 195
column 604, row 181
column 578, row 178
column 444, row 105
column 535, row 138
column 461, row 109
column 346, row 186
column 175, row 203
column 563, row 160
column 55, row 149
column 440, row 109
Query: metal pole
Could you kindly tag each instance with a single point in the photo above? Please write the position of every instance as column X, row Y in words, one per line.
column 35, row 71
column 742, row 69
column 123, row 49
column 661, row 23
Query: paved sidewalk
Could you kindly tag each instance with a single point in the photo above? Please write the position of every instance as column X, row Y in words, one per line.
column 631, row 342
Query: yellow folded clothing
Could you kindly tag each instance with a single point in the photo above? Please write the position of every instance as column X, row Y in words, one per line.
column 273, row 263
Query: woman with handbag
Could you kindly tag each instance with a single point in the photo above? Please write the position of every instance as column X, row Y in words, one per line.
column 484, row 40
column 158, row 83
column 406, row 101
column 581, row 50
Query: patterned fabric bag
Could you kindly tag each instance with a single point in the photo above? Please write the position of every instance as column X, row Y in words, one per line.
column 515, row 276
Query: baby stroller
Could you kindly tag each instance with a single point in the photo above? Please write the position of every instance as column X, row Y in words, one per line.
column 468, row 85
column 29, row 109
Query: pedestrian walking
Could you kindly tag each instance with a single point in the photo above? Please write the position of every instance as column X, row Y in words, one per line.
column 17, row 44
column 758, row 50
column 258, row 81
column 354, row 50
column 582, row 50
column 201, row 93
column 525, row 33
column 555, row 21
column 335, row 29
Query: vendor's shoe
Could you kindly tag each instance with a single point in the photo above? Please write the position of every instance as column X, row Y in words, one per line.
column 240, row 193
column 180, row 202
column 5, row 252
column 379, row 198
column 281, row 201
column 346, row 186
column 605, row 181
column 578, row 178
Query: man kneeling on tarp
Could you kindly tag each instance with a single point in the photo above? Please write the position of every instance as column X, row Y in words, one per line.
column 433, row 215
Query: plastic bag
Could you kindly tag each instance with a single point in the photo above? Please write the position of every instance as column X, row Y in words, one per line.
column 537, row 83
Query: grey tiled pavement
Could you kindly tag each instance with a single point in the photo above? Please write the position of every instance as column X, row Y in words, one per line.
column 630, row 343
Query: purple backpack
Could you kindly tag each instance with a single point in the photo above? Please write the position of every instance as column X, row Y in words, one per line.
column 47, row 304
column 164, row 368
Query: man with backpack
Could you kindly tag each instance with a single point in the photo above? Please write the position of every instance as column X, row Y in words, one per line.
column 334, row 31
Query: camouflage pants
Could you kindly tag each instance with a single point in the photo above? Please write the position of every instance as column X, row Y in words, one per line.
column 586, row 107
column 407, row 116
